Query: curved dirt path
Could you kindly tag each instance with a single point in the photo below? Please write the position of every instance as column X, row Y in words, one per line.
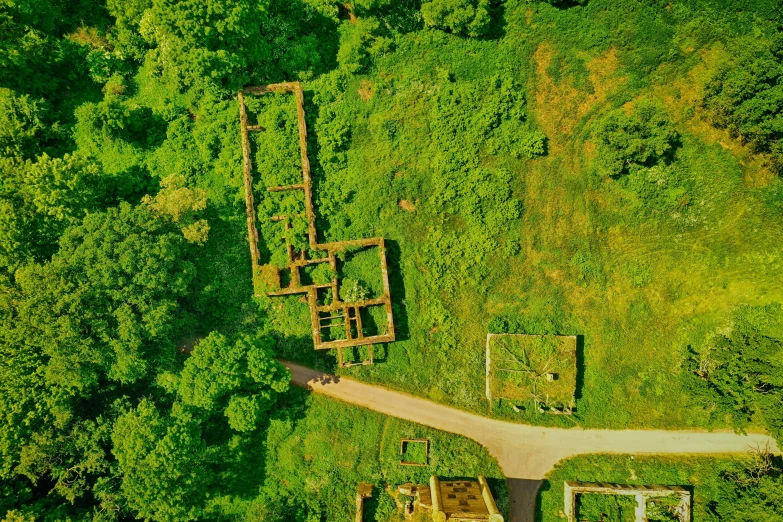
column 525, row 453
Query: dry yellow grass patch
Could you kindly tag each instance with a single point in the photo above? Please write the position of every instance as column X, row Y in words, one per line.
column 558, row 108
column 406, row 205
column 603, row 74
column 366, row 90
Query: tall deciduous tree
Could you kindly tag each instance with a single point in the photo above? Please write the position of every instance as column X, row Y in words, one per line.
column 163, row 462
column 79, row 333
column 745, row 95
column 107, row 304
column 752, row 494
column 239, row 378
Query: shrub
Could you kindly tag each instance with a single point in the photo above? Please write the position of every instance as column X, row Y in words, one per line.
column 640, row 138
column 597, row 508
column 463, row 17
column 352, row 291
column 663, row 509
column 20, row 125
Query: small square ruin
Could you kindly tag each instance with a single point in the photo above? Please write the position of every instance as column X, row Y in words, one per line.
column 407, row 444
column 532, row 368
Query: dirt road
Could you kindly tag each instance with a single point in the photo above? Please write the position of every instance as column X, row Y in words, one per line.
column 525, row 453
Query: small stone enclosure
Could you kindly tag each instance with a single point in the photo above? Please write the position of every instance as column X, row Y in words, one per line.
column 537, row 368
column 407, row 443
column 642, row 494
column 336, row 321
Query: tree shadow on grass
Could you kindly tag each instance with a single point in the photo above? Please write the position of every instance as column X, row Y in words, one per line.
column 497, row 27
column 580, row 366
column 539, row 511
column 371, row 504
column 397, row 289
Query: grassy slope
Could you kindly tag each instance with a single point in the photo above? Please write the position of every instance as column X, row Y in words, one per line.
column 702, row 473
column 596, row 259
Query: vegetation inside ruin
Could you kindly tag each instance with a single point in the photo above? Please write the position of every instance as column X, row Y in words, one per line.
column 602, row 168
column 723, row 488
column 606, row 508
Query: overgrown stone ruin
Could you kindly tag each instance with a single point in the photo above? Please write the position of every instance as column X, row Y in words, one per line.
column 337, row 323
column 363, row 491
column 642, row 494
column 406, row 443
column 453, row 500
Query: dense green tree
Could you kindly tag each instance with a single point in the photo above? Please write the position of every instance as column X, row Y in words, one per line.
column 192, row 40
column 106, row 306
column 627, row 140
column 181, row 205
column 125, row 36
column 224, row 43
column 69, row 459
column 740, row 374
column 36, row 60
column 463, row 17
column 565, row 3
column 21, row 128
column 23, row 394
column 238, row 378
column 119, row 133
column 79, row 332
column 752, row 494
column 163, row 461
column 41, row 199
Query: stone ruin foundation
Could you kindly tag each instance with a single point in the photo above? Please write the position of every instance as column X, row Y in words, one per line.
column 338, row 324
column 641, row 493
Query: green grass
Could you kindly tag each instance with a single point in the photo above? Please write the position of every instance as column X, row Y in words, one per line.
column 317, row 450
column 701, row 474
column 641, row 267
column 519, row 370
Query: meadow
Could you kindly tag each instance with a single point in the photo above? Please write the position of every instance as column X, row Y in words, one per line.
column 431, row 148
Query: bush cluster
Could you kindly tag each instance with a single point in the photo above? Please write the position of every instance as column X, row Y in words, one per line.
column 745, row 95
